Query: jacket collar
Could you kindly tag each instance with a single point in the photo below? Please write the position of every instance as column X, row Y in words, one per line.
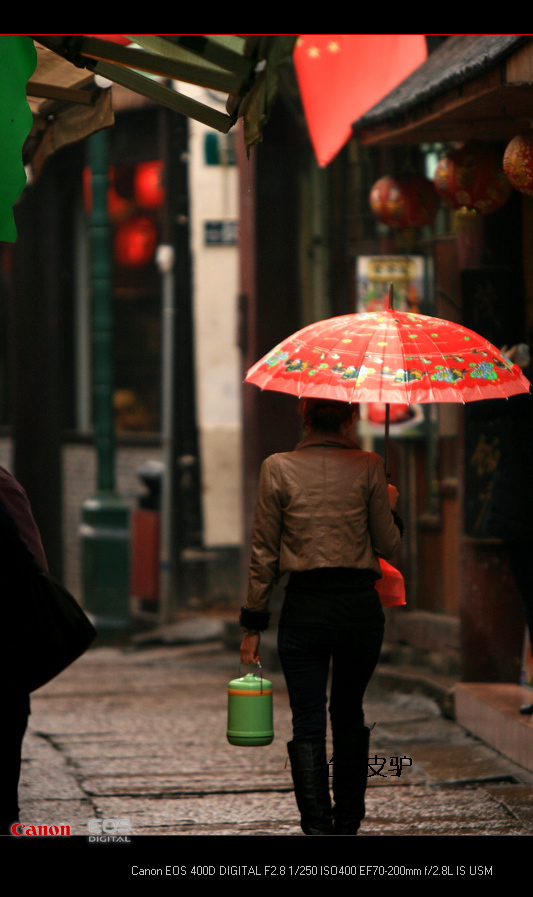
column 329, row 439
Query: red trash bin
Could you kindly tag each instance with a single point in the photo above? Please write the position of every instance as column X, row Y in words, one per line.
column 145, row 533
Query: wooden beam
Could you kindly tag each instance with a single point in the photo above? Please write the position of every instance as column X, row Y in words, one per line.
column 65, row 94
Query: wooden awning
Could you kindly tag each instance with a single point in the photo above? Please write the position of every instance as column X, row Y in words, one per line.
column 243, row 69
column 66, row 106
column 51, row 95
column 471, row 87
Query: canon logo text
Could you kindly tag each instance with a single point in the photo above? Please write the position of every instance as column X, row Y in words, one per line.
column 53, row 831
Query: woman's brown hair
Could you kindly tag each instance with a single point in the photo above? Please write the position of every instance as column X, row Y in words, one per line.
column 326, row 415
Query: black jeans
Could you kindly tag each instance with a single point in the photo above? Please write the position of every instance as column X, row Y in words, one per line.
column 305, row 656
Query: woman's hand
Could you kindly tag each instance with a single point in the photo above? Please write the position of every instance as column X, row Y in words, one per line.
column 250, row 648
column 393, row 496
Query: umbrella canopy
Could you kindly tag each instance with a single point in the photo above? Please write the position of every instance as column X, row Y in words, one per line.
column 388, row 356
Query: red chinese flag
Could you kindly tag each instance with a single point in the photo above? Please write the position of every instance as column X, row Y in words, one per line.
column 342, row 76
column 112, row 38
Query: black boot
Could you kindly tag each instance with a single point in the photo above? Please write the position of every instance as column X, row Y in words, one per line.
column 350, row 771
column 310, row 775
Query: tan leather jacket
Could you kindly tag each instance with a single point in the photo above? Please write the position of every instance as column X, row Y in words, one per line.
column 325, row 504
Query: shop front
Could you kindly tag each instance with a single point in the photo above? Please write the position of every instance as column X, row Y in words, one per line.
column 469, row 101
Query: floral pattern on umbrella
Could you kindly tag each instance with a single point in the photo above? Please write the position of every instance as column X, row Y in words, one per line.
column 388, row 356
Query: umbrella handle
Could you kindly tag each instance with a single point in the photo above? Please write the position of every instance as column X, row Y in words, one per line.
column 387, row 406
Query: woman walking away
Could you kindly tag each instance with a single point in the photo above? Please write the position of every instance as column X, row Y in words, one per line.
column 325, row 515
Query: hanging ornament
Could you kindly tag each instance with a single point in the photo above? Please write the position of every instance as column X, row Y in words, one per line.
column 518, row 163
column 404, row 202
column 148, row 184
column 116, row 204
column 136, row 241
column 472, row 178
column 87, row 189
column 397, row 412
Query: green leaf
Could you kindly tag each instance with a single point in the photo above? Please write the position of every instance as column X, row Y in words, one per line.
column 18, row 59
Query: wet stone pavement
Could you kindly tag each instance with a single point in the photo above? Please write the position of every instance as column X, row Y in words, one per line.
column 129, row 744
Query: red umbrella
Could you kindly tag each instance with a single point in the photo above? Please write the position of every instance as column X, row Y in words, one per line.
column 391, row 357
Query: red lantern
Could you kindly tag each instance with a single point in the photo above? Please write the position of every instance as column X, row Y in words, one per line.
column 472, row 177
column 136, row 241
column 404, row 202
column 148, row 184
column 518, row 163
column 87, row 188
column 397, row 413
column 116, row 204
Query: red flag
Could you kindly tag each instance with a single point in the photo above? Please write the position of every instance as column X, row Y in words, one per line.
column 112, row 38
column 342, row 76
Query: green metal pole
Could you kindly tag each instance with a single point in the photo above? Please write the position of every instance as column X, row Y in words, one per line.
column 105, row 516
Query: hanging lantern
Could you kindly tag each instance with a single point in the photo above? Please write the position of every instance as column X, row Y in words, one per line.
column 87, row 188
column 136, row 241
column 116, row 204
column 518, row 163
column 397, row 413
column 472, row 178
column 148, row 184
column 404, row 202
